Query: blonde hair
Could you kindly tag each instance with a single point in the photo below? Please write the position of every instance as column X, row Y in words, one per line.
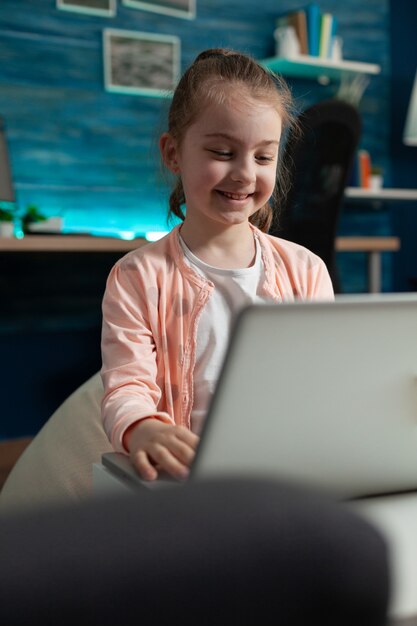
column 208, row 80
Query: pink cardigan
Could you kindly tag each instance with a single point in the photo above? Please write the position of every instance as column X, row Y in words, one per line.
column 151, row 307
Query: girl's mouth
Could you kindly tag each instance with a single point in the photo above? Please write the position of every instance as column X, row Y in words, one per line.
column 234, row 196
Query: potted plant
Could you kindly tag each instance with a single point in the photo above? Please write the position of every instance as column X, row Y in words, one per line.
column 31, row 216
column 377, row 177
column 6, row 222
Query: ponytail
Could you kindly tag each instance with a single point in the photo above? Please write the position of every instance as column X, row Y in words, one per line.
column 176, row 200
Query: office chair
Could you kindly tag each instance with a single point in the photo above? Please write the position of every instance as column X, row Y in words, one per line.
column 319, row 161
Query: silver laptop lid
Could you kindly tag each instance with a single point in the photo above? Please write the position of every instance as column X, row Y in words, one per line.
column 322, row 393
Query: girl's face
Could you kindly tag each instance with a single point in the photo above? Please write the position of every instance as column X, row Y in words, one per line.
column 227, row 161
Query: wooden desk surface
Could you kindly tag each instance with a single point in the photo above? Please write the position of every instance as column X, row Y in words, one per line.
column 68, row 243
column 367, row 244
column 81, row 243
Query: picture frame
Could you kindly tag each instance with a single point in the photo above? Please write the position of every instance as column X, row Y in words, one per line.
column 103, row 8
column 137, row 63
column 185, row 9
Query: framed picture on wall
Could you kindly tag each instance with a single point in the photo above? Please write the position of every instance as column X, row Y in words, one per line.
column 137, row 63
column 179, row 8
column 106, row 8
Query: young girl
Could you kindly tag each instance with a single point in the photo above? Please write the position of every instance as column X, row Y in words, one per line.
column 169, row 306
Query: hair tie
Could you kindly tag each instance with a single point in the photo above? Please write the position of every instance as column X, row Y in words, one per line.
column 213, row 53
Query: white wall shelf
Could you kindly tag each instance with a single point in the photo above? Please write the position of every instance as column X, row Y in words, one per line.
column 357, row 193
column 305, row 66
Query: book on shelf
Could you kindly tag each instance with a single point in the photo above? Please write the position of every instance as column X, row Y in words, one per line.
column 313, row 17
column 364, row 169
column 353, row 176
column 326, row 35
column 296, row 19
column 361, row 170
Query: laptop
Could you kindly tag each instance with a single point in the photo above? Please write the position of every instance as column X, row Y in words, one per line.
column 317, row 393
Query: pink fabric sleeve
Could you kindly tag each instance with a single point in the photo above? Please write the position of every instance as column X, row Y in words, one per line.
column 320, row 284
column 129, row 369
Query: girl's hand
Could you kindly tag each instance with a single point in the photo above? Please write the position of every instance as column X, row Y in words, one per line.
column 154, row 445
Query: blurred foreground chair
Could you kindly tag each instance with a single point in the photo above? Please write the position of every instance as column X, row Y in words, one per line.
column 320, row 161
column 213, row 553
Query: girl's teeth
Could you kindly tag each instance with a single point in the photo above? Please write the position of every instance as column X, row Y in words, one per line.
column 235, row 196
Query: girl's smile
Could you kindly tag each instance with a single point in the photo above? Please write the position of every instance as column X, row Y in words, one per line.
column 235, row 197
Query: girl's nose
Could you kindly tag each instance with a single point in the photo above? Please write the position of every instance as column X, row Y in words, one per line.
column 244, row 171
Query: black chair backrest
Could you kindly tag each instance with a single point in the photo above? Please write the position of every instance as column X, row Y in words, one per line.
column 320, row 161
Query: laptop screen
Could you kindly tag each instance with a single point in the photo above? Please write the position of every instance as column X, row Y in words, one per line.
column 322, row 393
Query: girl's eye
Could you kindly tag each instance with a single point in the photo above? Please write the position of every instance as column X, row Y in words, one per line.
column 265, row 159
column 226, row 154
column 222, row 153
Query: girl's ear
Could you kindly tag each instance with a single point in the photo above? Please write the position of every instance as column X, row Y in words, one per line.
column 169, row 152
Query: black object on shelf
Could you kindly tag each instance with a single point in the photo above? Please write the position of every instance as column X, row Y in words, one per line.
column 320, row 161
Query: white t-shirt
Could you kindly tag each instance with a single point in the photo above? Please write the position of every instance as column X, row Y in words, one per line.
column 233, row 289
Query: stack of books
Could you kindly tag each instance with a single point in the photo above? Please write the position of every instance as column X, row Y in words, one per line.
column 315, row 30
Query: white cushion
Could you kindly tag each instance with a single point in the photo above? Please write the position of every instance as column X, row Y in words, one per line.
column 396, row 518
column 57, row 465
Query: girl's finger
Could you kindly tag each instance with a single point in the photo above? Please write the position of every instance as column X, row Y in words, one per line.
column 168, row 462
column 187, row 436
column 146, row 470
column 182, row 451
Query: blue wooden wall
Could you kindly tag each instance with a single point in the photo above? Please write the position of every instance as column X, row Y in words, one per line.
column 90, row 155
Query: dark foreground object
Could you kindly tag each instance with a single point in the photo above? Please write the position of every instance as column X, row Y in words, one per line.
column 213, row 553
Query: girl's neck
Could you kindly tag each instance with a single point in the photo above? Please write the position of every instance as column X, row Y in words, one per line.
column 230, row 248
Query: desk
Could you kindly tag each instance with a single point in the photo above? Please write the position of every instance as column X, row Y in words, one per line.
column 373, row 246
column 396, row 516
column 68, row 243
